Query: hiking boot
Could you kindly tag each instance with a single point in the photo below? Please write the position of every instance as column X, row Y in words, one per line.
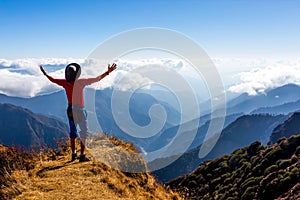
column 74, row 156
column 83, row 158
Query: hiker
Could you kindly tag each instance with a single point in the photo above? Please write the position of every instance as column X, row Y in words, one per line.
column 74, row 88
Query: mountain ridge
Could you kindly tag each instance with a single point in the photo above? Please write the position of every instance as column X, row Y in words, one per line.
column 289, row 127
column 22, row 127
column 252, row 172
column 240, row 133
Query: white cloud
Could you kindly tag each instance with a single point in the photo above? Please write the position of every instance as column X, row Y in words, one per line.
column 23, row 85
column 269, row 75
column 22, row 77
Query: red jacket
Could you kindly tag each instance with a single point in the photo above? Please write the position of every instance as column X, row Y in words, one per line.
column 74, row 90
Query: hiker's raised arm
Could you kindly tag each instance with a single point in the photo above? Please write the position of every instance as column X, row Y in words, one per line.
column 43, row 71
column 57, row 81
column 109, row 70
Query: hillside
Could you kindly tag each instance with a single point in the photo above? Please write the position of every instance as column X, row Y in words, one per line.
column 240, row 133
column 56, row 103
column 288, row 128
column 52, row 176
column 253, row 172
column 19, row 126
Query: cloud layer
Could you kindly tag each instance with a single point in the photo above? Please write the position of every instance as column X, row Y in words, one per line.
column 22, row 77
column 269, row 75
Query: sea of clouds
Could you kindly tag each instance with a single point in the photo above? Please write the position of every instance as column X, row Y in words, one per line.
column 267, row 75
column 22, row 77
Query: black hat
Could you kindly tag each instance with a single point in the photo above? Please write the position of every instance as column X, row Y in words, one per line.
column 72, row 72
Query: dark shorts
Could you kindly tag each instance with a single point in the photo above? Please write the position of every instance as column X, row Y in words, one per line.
column 77, row 116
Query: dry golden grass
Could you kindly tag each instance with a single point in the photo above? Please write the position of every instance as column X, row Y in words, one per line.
column 54, row 177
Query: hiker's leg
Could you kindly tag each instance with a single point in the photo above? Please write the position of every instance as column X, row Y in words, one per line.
column 73, row 144
column 73, row 129
column 83, row 131
column 82, row 145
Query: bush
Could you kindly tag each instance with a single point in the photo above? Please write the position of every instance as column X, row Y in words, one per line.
column 285, row 184
column 282, row 164
column 249, row 193
column 275, row 153
column 294, row 159
column 231, row 198
column 200, row 178
column 249, row 182
column 224, row 164
column 192, row 184
column 227, row 180
column 233, row 161
column 257, row 169
column 271, row 169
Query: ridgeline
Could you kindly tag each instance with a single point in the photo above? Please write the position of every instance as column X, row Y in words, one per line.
column 29, row 175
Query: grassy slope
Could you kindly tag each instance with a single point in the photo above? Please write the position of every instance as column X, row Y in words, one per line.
column 53, row 177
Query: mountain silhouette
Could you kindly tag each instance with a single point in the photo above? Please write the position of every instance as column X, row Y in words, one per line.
column 21, row 127
column 273, row 97
column 285, row 108
column 56, row 103
column 288, row 128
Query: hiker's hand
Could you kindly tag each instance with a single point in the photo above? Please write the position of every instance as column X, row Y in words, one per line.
column 42, row 69
column 111, row 68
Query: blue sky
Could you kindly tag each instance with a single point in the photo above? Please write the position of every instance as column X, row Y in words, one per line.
column 255, row 44
column 73, row 28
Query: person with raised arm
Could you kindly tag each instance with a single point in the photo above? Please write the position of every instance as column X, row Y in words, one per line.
column 74, row 88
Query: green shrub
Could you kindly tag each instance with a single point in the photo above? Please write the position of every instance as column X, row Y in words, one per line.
column 275, row 153
column 294, row 159
column 209, row 176
column 271, row 169
column 285, row 183
column 249, row 193
column 192, row 183
column 215, row 181
column 224, row 164
column 226, row 175
column 227, row 181
column 224, row 188
column 282, row 164
column 233, row 161
column 200, row 178
column 295, row 170
column 238, row 151
column 257, row 169
column 249, row 182
column 230, row 198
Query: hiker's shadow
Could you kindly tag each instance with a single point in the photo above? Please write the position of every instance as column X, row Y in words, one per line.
column 41, row 172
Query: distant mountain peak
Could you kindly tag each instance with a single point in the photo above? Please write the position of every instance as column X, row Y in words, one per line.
column 288, row 128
